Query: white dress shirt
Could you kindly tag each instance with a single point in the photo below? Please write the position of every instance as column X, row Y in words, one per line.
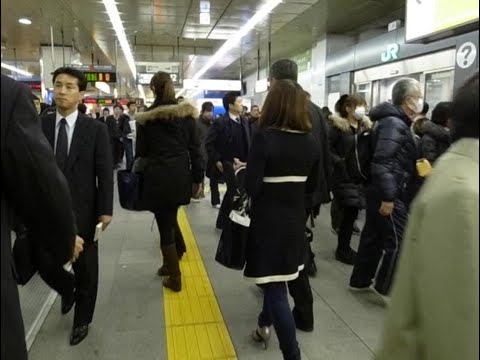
column 234, row 118
column 70, row 127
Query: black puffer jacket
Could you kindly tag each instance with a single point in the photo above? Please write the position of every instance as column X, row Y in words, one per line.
column 435, row 140
column 321, row 195
column 348, row 176
column 167, row 139
column 393, row 163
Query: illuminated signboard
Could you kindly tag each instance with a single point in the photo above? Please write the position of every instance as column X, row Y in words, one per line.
column 100, row 76
column 438, row 18
column 145, row 78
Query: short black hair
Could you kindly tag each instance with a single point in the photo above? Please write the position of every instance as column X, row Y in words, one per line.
column 207, row 106
column 82, row 108
column 230, row 98
column 106, row 109
column 465, row 110
column 130, row 103
column 441, row 113
column 255, row 106
column 118, row 106
column 284, row 69
column 82, row 82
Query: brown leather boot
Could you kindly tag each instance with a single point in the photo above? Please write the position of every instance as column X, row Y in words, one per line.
column 174, row 280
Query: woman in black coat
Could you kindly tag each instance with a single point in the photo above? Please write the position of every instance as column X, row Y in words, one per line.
column 349, row 145
column 282, row 167
column 167, row 141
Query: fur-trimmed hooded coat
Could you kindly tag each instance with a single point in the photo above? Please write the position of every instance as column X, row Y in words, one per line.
column 348, row 176
column 167, row 141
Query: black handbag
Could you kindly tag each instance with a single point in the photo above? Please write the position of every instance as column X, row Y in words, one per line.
column 232, row 247
column 130, row 189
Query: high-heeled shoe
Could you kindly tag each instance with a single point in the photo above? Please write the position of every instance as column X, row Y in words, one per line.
column 262, row 334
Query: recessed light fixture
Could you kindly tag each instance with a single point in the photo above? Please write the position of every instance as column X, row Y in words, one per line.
column 25, row 21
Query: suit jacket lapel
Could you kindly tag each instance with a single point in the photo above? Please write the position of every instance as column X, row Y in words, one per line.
column 77, row 141
column 48, row 125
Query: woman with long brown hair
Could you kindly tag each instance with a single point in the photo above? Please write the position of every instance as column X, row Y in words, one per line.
column 166, row 139
column 282, row 166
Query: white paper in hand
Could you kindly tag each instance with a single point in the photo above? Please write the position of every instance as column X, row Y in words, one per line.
column 98, row 231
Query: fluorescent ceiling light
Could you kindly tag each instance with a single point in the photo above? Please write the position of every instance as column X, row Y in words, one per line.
column 141, row 92
column 113, row 14
column 235, row 39
column 17, row 70
column 25, row 21
column 204, row 18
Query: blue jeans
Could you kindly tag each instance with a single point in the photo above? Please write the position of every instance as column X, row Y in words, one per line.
column 276, row 311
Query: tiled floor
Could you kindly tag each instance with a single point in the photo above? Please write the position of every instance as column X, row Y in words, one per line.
column 129, row 321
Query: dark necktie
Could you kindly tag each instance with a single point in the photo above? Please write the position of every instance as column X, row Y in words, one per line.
column 61, row 152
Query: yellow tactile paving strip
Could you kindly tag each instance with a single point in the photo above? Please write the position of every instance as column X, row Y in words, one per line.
column 194, row 323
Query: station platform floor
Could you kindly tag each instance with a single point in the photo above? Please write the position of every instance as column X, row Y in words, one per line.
column 214, row 315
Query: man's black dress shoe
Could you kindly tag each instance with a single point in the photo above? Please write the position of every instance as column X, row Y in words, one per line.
column 78, row 334
column 67, row 303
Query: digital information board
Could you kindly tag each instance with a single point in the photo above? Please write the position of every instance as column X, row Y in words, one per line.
column 432, row 18
column 145, row 78
column 94, row 76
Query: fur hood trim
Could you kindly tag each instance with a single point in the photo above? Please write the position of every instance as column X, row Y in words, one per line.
column 168, row 112
column 343, row 124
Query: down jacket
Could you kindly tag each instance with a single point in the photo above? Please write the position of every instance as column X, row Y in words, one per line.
column 168, row 142
column 393, row 162
column 348, row 176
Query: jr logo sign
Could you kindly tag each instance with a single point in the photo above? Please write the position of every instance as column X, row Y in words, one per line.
column 391, row 53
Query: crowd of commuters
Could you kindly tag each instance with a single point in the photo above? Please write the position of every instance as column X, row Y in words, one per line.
column 298, row 157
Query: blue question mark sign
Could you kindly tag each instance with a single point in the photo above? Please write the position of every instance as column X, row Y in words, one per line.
column 466, row 55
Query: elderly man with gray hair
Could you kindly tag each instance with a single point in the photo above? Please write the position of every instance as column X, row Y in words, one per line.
column 389, row 191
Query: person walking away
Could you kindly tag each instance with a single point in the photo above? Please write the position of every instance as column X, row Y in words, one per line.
column 168, row 141
column 282, row 167
column 349, row 127
column 434, row 309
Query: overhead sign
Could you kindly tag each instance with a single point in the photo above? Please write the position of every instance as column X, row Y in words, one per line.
column 94, row 76
column 466, row 55
column 261, row 85
column 303, row 60
column 93, row 68
column 427, row 18
column 205, row 84
column 145, row 78
column 391, row 53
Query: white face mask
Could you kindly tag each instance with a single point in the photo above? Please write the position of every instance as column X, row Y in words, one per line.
column 418, row 105
column 360, row 112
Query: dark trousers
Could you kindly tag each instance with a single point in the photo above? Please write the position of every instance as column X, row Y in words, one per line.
column 227, row 203
column 381, row 234
column 345, row 229
column 128, row 148
column 117, row 151
column 301, row 292
column 276, row 312
column 336, row 213
column 179, row 240
column 214, row 193
column 86, row 284
column 167, row 223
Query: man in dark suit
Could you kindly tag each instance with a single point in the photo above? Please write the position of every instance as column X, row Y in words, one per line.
column 112, row 128
column 83, row 154
column 34, row 187
column 227, row 142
